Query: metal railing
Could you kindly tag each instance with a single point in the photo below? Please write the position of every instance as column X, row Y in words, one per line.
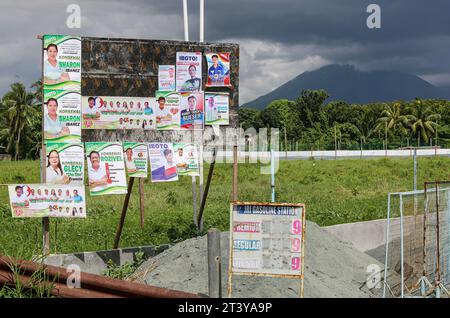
column 417, row 250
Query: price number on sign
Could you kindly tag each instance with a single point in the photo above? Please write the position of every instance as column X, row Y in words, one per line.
column 296, row 227
column 296, row 245
column 295, row 263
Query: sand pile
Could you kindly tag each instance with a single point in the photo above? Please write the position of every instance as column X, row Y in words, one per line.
column 332, row 269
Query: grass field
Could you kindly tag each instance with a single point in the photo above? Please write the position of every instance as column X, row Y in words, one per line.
column 334, row 192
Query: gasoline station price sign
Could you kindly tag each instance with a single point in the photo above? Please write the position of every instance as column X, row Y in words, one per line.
column 267, row 239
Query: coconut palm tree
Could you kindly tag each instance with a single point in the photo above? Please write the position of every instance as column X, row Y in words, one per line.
column 392, row 118
column 422, row 121
column 365, row 121
column 392, row 115
column 37, row 91
column 20, row 114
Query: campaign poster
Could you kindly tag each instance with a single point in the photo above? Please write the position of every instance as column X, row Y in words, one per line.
column 217, row 108
column 162, row 162
column 166, row 78
column 167, row 110
column 106, row 168
column 116, row 112
column 62, row 62
column 136, row 159
column 189, row 71
column 65, row 163
column 191, row 110
column 45, row 200
column 186, row 159
column 218, row 69
column 62, row 116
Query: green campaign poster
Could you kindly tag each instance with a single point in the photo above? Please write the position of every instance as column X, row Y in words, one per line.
column 62, row 62
column 136, row 159
column 65, row 163
column 62, row 116
column 106, row 168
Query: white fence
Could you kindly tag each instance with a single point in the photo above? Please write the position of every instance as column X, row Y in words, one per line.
column 331, row 154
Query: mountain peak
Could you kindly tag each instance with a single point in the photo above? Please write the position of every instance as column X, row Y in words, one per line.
column 347, row 83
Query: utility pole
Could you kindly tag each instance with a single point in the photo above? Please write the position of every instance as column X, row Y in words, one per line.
column 385, row 138
column 272, row 172
column 360, row 142
column 285, row 141
column 436, row 138
column 185, row 19
column 335, row 143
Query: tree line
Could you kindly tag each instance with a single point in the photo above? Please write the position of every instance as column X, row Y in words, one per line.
column 309, row 123
column 21, row 121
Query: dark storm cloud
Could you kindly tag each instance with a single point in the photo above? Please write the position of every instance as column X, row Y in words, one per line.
column 315, row 21
column 279, row 39
column 414, row 35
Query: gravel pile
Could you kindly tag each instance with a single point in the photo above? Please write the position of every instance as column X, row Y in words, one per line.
column 332, row 269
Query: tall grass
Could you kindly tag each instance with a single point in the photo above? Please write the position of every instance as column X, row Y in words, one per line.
column 39, row 285
column 334, row 192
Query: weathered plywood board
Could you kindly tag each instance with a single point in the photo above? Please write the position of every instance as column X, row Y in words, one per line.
column 129, row 67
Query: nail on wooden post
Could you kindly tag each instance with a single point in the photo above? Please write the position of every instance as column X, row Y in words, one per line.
column 214, row 264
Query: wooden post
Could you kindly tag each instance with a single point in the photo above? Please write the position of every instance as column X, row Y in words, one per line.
column 214, row 264
column 205, row 193
column 124, row 212
column 235, row 173
column 194, row 181
column 45, row 236
column 194, row 199
column 45, row 220
column 200, row 178
column 141, row 200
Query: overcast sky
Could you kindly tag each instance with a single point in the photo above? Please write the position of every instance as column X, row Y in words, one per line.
column 279, row 39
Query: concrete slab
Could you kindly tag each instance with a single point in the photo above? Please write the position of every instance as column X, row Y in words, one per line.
column 96, row 262
column 364, row 236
